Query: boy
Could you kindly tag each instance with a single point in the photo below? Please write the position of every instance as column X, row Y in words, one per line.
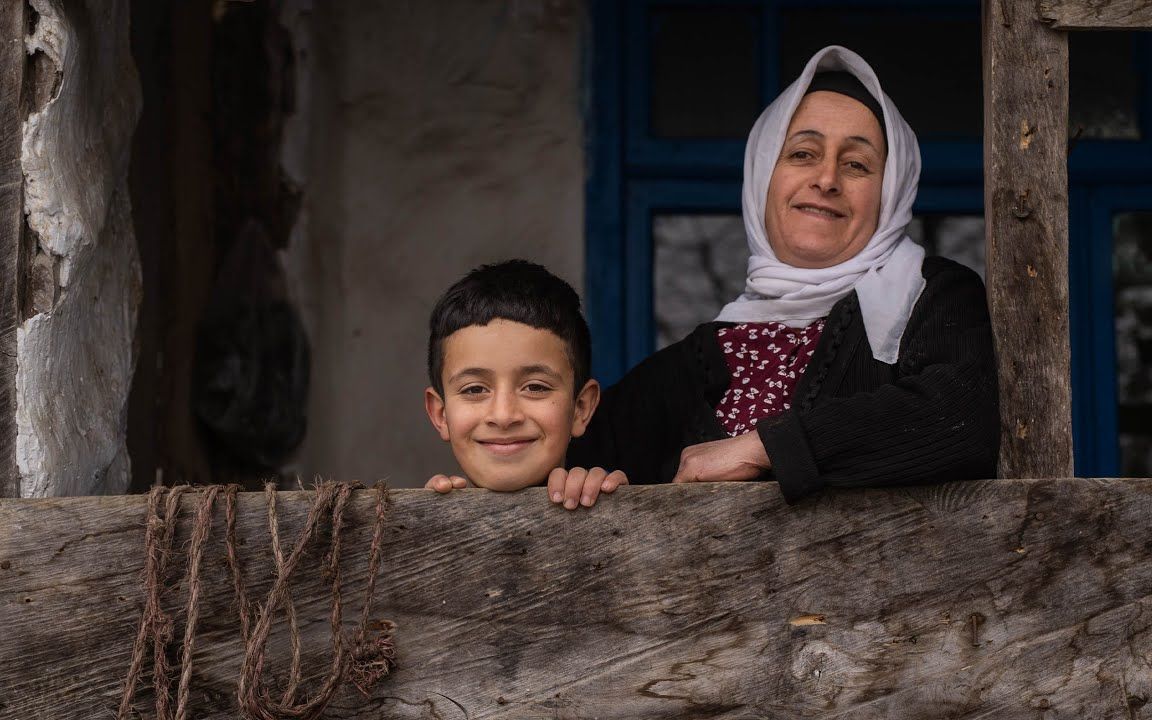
column 509, row 358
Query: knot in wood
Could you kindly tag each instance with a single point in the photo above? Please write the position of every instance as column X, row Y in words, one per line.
column 1022, row 209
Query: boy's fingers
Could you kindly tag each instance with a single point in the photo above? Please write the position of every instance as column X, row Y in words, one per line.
column 458, row 482
column 592, row 484
column 556, row 480
column 573, row 486
column 615, row 479
column 439, row 483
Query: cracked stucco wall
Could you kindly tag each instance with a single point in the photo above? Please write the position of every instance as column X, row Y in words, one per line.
column 75, row 342
column 430, row 137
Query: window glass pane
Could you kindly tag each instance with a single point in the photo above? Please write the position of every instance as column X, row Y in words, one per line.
column 698, row 266
column 942, row 98
column 700, row 261
column 705, row 67
column 1132, row 271
column 1103, row 85
column 957, row 237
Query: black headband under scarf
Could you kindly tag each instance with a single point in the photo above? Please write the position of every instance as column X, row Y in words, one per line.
column 846, row 83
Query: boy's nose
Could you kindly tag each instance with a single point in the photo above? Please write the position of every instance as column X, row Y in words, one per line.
column 505, row 409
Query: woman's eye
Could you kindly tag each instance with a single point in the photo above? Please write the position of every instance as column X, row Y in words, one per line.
column 801, row 155
column 857, row 166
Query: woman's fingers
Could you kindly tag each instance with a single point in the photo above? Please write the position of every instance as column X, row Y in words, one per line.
column 739, row 458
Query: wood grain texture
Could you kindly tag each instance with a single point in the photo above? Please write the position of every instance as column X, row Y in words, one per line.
column 992, row 599
column 1026, row 221
column 1096, row 14
column 12, row 64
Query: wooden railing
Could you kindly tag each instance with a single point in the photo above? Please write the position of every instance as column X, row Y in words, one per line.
column 989, row 599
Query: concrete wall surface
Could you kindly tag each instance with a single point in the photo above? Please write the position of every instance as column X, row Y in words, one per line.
column 429, row 138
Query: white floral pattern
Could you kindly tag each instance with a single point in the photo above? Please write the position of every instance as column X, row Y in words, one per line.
column 765, row 360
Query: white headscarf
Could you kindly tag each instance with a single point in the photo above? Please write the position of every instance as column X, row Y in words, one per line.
column 885, row 274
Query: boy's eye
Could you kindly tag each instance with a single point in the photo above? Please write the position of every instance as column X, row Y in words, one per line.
column 472, row 390
column 536, row 387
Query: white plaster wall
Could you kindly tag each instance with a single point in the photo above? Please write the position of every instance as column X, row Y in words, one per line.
column 432, row 137
column 75, row 353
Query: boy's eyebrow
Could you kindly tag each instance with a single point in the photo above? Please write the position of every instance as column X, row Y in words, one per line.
column 472, row 371
column 541, row 369
column 479, row 372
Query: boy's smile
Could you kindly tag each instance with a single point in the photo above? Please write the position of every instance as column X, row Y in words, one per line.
column 509, row 406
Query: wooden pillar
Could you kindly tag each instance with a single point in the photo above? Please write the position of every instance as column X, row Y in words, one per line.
column 13, row 60
column 1026, row 210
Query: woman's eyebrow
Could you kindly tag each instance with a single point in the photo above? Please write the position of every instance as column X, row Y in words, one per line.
column 806, row 133
column 819, row 135
column 863, row 141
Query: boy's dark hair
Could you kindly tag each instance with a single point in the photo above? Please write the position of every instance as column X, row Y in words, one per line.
column 515, row 290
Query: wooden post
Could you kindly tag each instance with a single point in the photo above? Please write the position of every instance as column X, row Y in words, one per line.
column 13, row 61
column 1026, row 211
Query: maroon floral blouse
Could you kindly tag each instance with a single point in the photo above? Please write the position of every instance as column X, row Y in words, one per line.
column 766, row 360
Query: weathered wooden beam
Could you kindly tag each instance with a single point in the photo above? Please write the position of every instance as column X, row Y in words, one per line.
column 1096, row 14
column 13, row 60
column 1026, row 221
column 992, row 599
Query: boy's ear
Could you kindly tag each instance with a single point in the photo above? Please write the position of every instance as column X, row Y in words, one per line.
column 586, row 401
column 434, row 406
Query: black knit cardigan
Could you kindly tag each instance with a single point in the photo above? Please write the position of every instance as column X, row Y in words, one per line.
column 854, row 422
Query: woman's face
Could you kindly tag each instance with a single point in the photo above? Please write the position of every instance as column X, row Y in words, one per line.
column 824, row 197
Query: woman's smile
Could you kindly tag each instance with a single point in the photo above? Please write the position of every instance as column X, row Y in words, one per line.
column 818, row 211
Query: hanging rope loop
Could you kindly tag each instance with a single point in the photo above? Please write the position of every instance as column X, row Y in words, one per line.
column 361, row 660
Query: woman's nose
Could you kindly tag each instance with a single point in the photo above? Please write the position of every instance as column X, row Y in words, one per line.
column 505, row 409
column 827, row 178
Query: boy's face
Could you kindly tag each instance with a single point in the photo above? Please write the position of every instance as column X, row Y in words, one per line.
column 509, row 406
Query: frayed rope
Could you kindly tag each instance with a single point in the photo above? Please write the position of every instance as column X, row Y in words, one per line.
column 363, row 662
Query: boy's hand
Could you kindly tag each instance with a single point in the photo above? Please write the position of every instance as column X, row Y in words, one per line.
column 578, row 486
column 447, row 483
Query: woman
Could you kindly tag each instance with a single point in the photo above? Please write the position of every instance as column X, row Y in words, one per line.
column 851, row 359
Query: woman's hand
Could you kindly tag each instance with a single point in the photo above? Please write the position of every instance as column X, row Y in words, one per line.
column 739, row 458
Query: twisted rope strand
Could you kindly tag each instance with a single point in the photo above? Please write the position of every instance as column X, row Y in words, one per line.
column 252, row 695
column 147, row 616
column 289, row 696
column 243, row 606
column 162, row 623
column 200, row 532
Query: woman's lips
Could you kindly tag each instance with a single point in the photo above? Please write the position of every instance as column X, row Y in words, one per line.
column 505, row 447
column 818, row 211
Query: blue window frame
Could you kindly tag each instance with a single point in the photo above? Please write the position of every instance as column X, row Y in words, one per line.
column 634, row 175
